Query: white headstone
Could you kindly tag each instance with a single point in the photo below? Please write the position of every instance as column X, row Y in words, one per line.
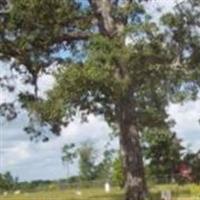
column 166, row 195
column 17, row 192
column 107, row 187
column 5, row 194
column 79, row 193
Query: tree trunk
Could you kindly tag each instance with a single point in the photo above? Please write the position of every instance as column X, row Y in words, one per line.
column 135, row 185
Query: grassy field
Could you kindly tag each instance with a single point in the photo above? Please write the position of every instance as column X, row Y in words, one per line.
column 189, row 192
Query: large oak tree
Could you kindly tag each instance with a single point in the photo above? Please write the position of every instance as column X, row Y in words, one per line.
column 122, row 65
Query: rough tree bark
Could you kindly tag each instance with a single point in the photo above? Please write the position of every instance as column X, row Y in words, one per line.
column 135, row 185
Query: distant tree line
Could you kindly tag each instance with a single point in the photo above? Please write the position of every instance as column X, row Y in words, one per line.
column 91, row 165
column 166, row 160
column 7, row 181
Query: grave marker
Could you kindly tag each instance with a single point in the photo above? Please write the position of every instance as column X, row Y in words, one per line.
column 166, row 195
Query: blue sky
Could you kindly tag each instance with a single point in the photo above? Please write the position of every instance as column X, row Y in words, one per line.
column 29, row 160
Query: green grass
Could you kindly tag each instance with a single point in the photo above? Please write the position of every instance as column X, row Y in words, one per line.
column 187, row 192
column 179, row 192
column 87, row 194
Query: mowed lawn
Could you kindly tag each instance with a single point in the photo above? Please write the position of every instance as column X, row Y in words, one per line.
column 190, row 192
column 71, row 194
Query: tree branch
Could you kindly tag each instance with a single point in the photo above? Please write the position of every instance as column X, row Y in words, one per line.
column 3, row 4
column 5, row 7
column 127, row 2
column 72, row 36
column 102, row 11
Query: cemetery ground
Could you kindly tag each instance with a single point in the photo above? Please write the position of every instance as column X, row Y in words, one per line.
column 179, row 192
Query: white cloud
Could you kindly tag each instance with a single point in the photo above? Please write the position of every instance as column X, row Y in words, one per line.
column 187, row 122
column 16, row 154
column 45, row 82
column 43, row 160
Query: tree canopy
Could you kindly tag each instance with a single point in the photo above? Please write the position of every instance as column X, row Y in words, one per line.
column 161, row 62
column 164, row 152
column 130, row 83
